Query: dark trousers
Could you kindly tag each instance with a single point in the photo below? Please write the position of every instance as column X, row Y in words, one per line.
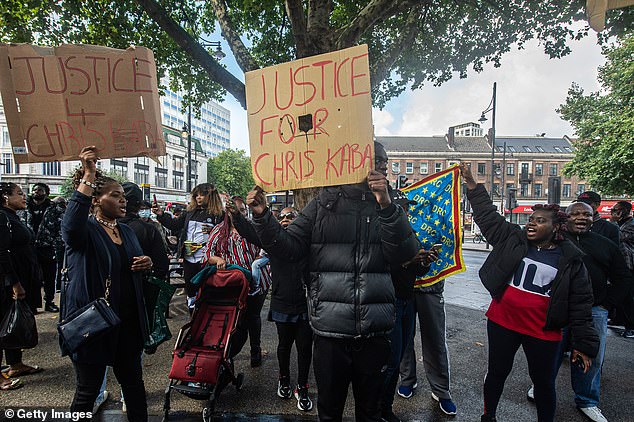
column 48, row 265
column 250, row 326
column 128, row 371
column 13, row 356
column 400, row 337
column 189, row 271
column 542, row 357
column 339, row 362
column 301, row 334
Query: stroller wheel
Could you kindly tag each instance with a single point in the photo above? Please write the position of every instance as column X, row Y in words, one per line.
column 239, row 381
column 208, row 411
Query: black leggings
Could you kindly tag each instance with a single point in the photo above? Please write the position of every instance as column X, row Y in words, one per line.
column 542, row 368
column 302, row 335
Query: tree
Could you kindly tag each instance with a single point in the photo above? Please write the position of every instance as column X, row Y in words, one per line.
column 67, row 188
column 412, row 42
column 604, row 124
column 230, row 172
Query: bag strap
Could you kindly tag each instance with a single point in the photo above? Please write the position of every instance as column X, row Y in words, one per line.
column 108, row 281
column 219, row 345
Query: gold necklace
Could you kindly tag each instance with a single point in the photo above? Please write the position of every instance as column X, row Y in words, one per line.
column 111, row 226
column 547, row 246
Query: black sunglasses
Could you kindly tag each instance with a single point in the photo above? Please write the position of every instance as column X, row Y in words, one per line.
column 289, row 215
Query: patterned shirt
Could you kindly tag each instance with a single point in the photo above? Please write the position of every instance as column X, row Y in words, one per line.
column 238, row 252
column 627, row 243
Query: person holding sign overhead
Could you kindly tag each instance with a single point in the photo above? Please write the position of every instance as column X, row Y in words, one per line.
column 350, row 236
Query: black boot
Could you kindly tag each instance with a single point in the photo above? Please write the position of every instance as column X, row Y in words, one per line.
column 488, row 418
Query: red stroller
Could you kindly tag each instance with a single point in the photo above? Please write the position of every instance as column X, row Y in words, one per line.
column 201, row 365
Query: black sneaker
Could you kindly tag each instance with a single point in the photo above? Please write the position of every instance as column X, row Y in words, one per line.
column 51, row 307
column 487, row 418
column 256, row 359
column 284, row 388
column 304, row 402
column 389, row 416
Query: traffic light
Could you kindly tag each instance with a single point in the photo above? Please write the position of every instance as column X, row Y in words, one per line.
column 401, row 181
column 511, row 199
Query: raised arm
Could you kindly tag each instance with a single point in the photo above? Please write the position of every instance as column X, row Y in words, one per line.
column 494, row 227
column 76, row 216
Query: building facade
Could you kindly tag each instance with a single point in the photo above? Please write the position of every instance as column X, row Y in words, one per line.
column 526, row 164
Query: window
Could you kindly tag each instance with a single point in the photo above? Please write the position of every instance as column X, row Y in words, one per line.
column 556, row 148
column 496, row 189
column 566, row 190
column 511, row 148
column 409, row 168
column 141, row 174
column 5, row 137
column 424, row 168
column 527, row 148
column 177, row 180
column 552, row 170
column 524, row 189
column 51, row 169
column 581, row 188
column 178, row 164
column 567, row 149
column 160, row 178
column 437, row 167
column 539, row 149
column 119, row 167
column 7, row 163
column 537, row 190
column 396, row 167
column 482, row 168
column 539, row 169
column 525, row 168
column 510, row 169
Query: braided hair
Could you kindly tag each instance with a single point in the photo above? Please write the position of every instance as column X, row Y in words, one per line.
column 559, row 219
column 101, row 181
column 6, row 189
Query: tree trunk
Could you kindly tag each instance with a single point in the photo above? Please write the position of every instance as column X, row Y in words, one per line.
column 301, row 197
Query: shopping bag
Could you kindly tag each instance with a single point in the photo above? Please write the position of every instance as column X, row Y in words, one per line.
column 158, row 294
column 18, row 329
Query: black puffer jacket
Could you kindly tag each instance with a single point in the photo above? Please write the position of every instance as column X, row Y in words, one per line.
column 571, row 298
column 350, row 245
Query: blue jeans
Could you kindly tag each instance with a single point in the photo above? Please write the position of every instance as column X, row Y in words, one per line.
column 587, row 387
column 400, row 336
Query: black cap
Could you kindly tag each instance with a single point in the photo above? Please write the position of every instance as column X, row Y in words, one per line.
column 401, row 199
column 589, row 197
column 132, row 192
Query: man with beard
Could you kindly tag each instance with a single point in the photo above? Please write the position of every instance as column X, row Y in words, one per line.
column 604, row 262
column 37, row 206
column 621, row 213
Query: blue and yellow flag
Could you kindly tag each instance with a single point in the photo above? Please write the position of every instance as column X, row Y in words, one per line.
column 436, row 219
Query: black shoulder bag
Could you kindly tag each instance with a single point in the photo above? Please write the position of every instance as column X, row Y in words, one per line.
column 90, row 321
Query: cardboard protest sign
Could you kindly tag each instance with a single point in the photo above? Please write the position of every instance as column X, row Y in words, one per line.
column 59, row 99
column 310, row 121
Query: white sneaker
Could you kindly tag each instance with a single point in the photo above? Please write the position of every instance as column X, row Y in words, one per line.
column 593, row 413
column 530, row 394
column 101, row 399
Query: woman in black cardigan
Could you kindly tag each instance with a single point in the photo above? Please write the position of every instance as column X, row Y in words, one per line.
column 97, row 247
column 18, row 265
column 539, row 285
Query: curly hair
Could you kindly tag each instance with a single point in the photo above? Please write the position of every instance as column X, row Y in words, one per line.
column 214, row 204
column 100, row 180
column 6, row 189
column 559, row 218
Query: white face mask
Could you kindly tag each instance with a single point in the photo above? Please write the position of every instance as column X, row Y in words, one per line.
column 146, row 213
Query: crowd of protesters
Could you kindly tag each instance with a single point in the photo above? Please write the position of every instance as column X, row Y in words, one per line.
column 341, row 274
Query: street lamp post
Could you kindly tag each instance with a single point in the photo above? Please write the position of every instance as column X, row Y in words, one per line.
column 482, row 119
column 187, row 131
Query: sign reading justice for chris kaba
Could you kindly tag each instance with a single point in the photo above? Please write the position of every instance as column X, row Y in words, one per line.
column 310, row 121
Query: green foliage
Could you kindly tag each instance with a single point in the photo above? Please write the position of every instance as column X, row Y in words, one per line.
column 604, row 124
column 230, row 172
column 67, row 188
column 451, row 36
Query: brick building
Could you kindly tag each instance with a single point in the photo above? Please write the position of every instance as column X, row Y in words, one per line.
column 523, row 163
